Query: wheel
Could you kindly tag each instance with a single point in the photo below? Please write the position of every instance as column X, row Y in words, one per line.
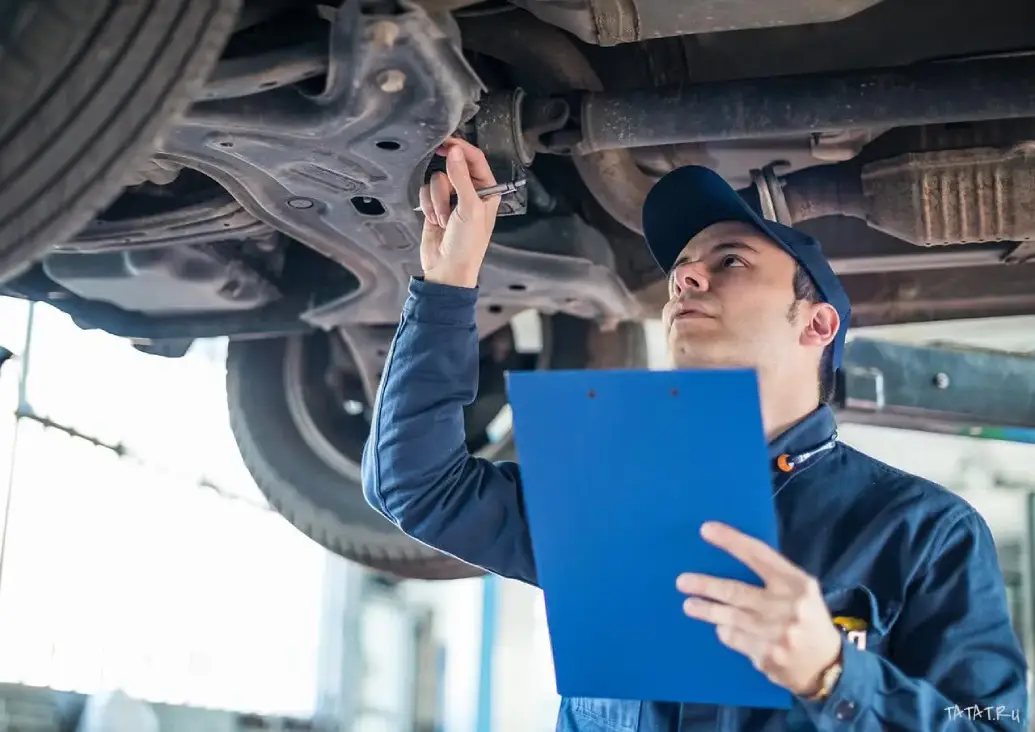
column 301, row 430
column 86, row 88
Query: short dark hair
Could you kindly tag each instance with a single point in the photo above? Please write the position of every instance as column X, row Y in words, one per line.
column 805, row 289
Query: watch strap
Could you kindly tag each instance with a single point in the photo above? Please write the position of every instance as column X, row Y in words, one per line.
column 827, row 681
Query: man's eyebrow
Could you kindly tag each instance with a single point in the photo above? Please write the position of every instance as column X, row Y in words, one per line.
column 734, row 244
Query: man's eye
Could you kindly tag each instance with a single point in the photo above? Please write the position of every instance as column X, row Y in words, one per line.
column 731, row 260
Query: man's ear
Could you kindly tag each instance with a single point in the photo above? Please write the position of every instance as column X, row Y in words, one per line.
column 822, row 326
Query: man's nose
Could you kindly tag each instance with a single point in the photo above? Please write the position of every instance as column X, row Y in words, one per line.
column 692, row 276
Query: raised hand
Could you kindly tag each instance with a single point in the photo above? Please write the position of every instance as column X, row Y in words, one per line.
column 454, row 242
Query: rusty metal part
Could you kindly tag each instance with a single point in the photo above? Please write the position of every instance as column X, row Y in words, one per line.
column 215, row 219
column 443, row 6
column 940, row 294
column 239, row 77
column 837, row 147
column 356, row 152
column 498, row 127
column 770, row 195
column 954, row 196
column 825, row 190
column 610, row 22
column 958, row 91
column 941, row 197
column 546, row 61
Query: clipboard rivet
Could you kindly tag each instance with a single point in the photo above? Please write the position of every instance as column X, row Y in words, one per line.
column 675, row 392
column 592, row 393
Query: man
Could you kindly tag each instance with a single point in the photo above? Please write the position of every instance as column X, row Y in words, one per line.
column 887, row 608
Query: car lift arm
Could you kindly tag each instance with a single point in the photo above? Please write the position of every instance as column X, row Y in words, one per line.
column 943, row 389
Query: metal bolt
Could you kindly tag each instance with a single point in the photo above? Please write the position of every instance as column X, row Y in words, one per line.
column 353, row 407
column 300, row 203
column 941, row 381
column 391, row 81
column 385, row 33
column 232, row 289
column 908, row 291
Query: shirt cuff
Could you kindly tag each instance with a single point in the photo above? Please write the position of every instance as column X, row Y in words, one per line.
column 438, row 304
column 850, row 695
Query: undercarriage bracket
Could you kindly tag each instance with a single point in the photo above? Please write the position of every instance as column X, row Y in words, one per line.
column 337, row 166
column 938, row 388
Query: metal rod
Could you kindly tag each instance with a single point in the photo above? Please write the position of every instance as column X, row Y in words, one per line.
column 950, row 259
column 501, row 189
column 124, row 452
column 23, row 377
column 937, row 92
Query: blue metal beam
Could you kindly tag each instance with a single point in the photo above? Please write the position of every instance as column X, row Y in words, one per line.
column 490, row 619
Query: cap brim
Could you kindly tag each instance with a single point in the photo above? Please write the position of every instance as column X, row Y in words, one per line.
column 687, row 201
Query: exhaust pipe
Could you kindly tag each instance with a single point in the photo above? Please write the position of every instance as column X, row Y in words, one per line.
column 943, row 197
column 947, row 91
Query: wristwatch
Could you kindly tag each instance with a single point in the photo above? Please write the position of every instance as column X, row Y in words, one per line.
column 828, row 680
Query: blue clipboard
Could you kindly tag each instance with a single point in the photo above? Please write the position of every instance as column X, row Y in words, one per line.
column 619, row 470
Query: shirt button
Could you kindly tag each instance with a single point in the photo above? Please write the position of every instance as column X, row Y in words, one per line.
column 845, row 710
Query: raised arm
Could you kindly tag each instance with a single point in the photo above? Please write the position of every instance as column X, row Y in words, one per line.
column 416, row 468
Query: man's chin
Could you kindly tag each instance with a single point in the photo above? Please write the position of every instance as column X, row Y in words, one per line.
column 702, row 353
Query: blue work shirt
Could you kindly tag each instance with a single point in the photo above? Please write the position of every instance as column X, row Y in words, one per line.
column 914, row 562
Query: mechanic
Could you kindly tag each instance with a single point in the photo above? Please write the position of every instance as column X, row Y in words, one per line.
column 886, row 608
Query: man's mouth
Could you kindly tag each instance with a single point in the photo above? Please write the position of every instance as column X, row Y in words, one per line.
column 691, row 311
column 688, row 314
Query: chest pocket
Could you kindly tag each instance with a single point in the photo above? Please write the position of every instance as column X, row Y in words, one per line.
column 602, row 715
column 862, row 619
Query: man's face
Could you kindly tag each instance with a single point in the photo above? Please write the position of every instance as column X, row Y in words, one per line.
column 731, row 304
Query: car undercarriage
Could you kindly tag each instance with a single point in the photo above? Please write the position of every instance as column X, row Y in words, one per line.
column 278, row 208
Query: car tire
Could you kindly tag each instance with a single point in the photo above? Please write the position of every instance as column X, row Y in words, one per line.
column 87, row 87
column 327, row 504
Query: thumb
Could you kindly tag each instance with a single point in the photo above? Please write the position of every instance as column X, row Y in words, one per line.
column 460, row 176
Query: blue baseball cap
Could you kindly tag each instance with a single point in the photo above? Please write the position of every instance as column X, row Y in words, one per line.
column 691, row 198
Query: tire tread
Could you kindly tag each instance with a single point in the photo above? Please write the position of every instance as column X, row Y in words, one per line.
column 364, row 536
column 95, row 84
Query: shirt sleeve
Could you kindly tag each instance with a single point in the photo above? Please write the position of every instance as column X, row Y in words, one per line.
column 417, row 471
column 955, row 660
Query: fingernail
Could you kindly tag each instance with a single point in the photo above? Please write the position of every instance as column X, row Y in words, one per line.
column 456, row 153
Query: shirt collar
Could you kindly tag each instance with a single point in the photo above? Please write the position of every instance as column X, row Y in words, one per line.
column 818, row 427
